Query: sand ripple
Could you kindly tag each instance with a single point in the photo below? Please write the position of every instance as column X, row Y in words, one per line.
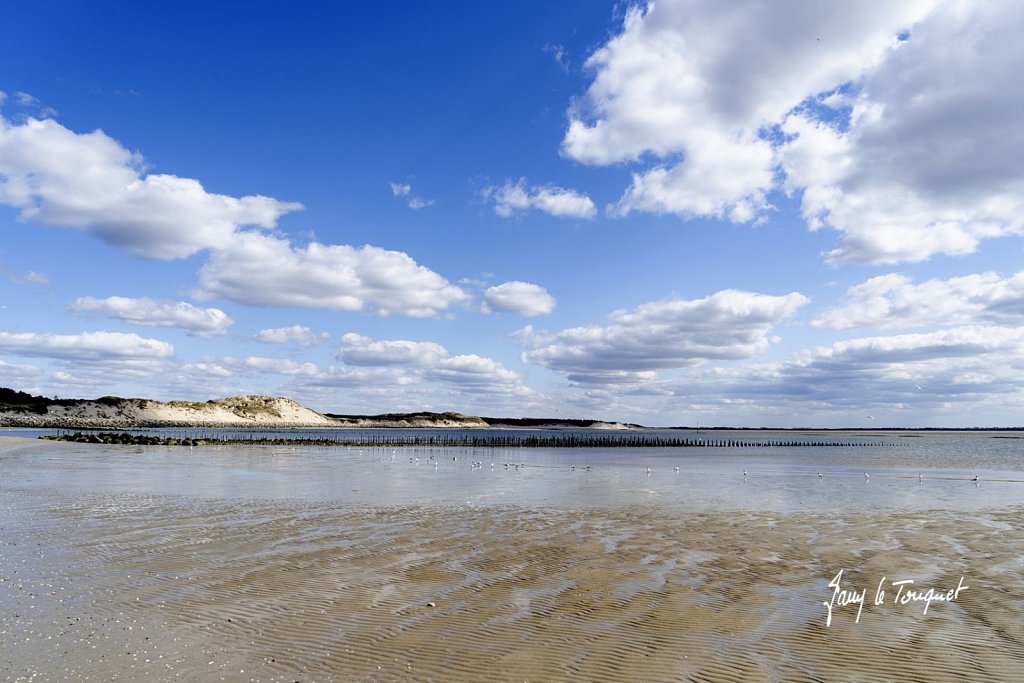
column 278, row 590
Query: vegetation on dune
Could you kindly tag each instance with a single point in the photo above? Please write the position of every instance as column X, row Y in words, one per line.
column 243, row 406
column 408, row 417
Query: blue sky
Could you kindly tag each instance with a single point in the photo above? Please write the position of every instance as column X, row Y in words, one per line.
column 753, row 214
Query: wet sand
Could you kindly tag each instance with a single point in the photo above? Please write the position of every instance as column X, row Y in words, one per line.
column 107, row 584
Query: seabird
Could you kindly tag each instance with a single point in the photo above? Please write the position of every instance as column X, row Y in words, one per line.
column 820, row 475
column 867, row 476
column 975, row 480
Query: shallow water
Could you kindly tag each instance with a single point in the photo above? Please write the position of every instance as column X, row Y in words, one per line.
column 416, row 564
column 929, row 473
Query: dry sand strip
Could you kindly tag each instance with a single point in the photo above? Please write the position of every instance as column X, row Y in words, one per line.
column 133, row 587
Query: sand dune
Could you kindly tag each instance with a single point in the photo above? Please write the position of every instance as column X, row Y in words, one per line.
column 135, row 412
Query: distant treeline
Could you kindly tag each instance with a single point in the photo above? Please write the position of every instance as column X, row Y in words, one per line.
column 461, row 441
column 20, row 401
column 406, row 417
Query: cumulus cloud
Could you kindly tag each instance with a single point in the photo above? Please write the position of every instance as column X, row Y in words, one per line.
column 968, row 365
column 696, row 84
column 477, row 373
column 359, row 350
column 198, row 322
column 380, row 381
column 930, row 162
column 87, row 346
column 13, row 375
column 296, row 334
column 661, row 335
column 280, row 366
column 893, row 301
column 56, row 177
column 512, row 198
column 263, row 270
column 523, row 298
column 427, row 361
column 895, row 124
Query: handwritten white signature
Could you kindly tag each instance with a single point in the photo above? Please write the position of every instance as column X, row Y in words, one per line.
column 843, row 597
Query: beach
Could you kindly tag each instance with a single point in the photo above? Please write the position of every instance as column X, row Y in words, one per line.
column 247, row 571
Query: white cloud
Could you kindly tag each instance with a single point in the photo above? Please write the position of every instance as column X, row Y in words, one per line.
column 427, row 361
column 364, row 380
column 280, row 366
column 477, row 374
column 930, row 163
column 663, row 335
column 359, row 350
column 199, row 322
column 88, row 346
column 11, row 375
column 30, row 278
column 405, row 190
column 261, row 270
column 523, row 298
column 54, row 176
column 558, row 53
column 703, row 80
column 26, row 100
column 208, row 370
column 969, row 365
column 896, row 124
column 419, row 203
column 893, row 301
column 512, row 198
column 297, row 334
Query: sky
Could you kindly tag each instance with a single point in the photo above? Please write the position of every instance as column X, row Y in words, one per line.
column 687, row 212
